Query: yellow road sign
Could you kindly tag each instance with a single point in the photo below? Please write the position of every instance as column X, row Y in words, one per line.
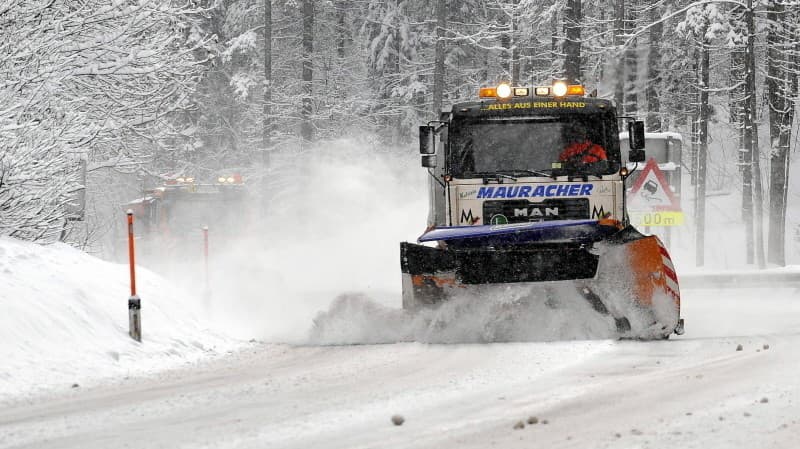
column 662, row 218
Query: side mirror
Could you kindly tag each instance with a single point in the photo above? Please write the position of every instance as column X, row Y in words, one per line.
column 636, row 135
column 426, row 145
column 636, row 156
column 636, row 141
column 429, row 160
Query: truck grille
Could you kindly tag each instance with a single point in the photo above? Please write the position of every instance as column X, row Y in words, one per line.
column 521, row 211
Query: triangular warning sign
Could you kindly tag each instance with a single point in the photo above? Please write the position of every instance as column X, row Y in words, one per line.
column 651, row 191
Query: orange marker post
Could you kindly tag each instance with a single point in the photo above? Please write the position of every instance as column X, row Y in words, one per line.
column 134, row 302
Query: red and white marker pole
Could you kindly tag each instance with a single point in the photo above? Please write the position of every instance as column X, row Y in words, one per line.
column 134, row 302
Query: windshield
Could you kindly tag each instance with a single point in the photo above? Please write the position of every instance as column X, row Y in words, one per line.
column 534, row 146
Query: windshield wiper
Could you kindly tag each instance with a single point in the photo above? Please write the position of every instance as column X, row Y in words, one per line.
column 525, row 171
column 508, row 174
column 487, row 175
column 576, row 172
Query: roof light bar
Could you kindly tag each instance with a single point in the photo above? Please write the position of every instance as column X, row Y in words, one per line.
column 230, row 179
column 504, row 91
column 560, row 89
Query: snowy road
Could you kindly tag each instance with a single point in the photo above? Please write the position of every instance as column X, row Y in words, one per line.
column 694, row 391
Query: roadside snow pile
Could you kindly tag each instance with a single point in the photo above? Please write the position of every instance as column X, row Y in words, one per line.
column 64, row 321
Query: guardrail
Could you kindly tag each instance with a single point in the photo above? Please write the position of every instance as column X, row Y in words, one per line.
column 741, row 279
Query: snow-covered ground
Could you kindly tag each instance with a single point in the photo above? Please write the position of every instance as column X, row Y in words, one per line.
column 64, row 321
column 695, row 391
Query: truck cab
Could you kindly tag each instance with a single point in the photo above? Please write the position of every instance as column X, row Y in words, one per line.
column 502, row 160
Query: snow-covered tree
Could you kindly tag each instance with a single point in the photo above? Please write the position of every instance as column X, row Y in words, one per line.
column 783, row 55
column 107, row 81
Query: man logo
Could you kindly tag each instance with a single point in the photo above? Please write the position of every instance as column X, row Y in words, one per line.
column 536, row 211
column 466, row 217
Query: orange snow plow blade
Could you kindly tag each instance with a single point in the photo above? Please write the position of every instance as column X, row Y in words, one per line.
column 621, row 273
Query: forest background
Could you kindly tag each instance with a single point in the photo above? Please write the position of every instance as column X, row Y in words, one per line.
column 139, row 91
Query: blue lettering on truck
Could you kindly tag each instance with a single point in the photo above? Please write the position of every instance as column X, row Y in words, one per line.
column 538, row 191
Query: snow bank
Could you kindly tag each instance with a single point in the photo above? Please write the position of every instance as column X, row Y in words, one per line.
column 64, row 321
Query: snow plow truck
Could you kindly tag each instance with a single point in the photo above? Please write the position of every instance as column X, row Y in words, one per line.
column 527, row 188
column 170, row 218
